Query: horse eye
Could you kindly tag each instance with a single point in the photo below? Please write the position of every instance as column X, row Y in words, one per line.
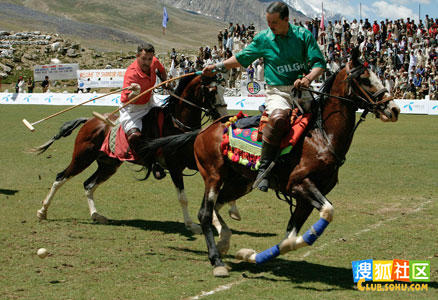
column 366, row 81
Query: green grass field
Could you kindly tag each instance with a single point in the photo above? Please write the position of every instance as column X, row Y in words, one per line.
column 385, row 208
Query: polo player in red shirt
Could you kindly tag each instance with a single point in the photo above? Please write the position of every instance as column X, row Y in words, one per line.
column 140, row 76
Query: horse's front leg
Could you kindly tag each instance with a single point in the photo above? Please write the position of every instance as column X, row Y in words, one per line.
column 205, row 216
column 307, row 191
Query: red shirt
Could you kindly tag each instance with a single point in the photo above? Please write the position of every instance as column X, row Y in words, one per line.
column 134, row 74
column 376, row 28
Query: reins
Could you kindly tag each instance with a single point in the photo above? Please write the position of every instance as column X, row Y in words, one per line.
column 370, row 105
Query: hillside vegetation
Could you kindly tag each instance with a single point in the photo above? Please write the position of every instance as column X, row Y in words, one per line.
column 111, row 25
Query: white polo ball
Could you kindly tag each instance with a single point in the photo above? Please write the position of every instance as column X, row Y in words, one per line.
column 42, row 253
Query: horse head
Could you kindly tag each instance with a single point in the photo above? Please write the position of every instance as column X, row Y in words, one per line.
column 198, row 94
column 213, row 94
column 368, row 90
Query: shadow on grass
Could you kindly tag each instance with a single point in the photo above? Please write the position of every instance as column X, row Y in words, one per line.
column 298, row 272
column 8, row 192
column 167, row 227
column 254, row 234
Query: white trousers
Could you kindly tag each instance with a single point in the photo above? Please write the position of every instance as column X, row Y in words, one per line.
column 280, row 97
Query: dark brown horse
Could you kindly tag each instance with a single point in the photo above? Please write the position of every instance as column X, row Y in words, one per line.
column 179, row 116
column 306, row 174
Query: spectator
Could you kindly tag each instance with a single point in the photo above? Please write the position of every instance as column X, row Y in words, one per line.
column 45, row 84
column 250, row 71
column 19, row 86
column 30, row 85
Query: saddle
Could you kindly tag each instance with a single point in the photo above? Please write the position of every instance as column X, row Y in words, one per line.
column 116, row 143
column 244, row 145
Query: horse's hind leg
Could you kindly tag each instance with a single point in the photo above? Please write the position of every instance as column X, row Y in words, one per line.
column 106, row 168
column 179, row 185
column 233, row 189
column 82, row 159
column 233, row 211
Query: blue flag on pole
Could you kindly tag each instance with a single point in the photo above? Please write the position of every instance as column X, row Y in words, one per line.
column 165, row 17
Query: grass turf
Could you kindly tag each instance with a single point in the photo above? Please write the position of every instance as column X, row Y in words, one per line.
column 385, row 208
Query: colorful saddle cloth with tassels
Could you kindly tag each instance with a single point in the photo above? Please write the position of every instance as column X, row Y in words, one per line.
column 244, row 146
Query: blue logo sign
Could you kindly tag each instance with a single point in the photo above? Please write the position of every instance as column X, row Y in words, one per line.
column 116, row 99
column 409, row 106
column 48, row 99
column 27, row 98
column 241, row 102
column 6, row 98
column 70, row 99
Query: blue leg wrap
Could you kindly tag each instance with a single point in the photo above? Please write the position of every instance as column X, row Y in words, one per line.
column 267, row 254
column 315, row 231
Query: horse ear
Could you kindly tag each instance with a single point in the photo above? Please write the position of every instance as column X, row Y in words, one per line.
column 355, row 54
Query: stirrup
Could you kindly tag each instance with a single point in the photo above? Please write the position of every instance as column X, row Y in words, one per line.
column 264, row 185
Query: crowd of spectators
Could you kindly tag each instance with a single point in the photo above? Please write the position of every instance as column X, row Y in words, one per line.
column 231, row 40
column 403, row 53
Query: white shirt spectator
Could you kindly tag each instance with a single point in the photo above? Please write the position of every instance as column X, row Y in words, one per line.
column 260, row 72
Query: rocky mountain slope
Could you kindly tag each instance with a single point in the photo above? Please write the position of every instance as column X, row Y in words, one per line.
column 237, row 11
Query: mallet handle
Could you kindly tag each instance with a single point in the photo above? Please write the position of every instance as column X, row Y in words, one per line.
column 154, row 87
column 70, row 108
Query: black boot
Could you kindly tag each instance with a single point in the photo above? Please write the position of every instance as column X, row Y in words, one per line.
column 269, row 153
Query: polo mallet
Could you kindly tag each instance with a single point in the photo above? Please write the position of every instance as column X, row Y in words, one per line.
column 30, row 125
column 109, row 122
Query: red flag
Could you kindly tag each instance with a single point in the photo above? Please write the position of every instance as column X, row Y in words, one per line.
column 321, row 25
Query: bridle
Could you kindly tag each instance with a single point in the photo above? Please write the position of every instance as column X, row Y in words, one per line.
column 368, row 102
column 209, row 113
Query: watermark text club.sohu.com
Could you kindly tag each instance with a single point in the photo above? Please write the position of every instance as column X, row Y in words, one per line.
column 391, row 275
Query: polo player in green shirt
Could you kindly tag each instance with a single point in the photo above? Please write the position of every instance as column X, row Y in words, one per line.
column 292, row 59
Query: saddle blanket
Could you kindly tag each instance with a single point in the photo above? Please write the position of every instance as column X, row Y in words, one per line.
column 116, row 145
column 241, row 145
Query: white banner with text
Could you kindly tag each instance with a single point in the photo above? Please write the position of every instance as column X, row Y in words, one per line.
column 425, row 107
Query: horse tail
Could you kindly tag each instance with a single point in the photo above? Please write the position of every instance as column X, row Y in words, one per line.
column 65, row 130
column 169, row 145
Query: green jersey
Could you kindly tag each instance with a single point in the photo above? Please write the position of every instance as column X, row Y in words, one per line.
column 285, row 57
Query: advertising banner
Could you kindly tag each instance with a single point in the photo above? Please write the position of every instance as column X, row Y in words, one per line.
column 55, row 71
column 252, row 88
column 107, row 78
column 429, row 107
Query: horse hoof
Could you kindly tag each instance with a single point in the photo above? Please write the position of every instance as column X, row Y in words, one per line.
column 234, row 214
column 247, row 255
column 194, row 228
column 220, row 272
column 223, row 247
column 99, row 218
column 42, row 215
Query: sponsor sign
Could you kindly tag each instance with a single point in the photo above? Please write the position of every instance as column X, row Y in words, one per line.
column 233, row 103
column 55, row 71
column 252, row 88
column 107, row 78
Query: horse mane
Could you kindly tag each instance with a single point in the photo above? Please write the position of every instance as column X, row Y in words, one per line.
column 183, row 83
column 327, row 86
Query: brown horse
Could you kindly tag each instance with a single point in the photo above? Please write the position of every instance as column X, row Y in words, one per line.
column 179, row 116
column 306, row 174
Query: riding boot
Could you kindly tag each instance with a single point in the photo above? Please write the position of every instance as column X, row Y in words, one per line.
column 269, row 153
column 273, row 132
column 135, row 142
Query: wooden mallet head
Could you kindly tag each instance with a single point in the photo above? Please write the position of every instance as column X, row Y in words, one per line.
column 28, row 125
